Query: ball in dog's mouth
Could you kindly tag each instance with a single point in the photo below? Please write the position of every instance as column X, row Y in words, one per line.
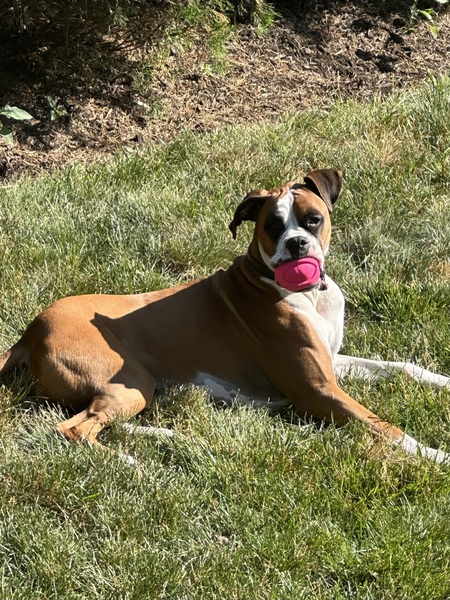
column 298, row 275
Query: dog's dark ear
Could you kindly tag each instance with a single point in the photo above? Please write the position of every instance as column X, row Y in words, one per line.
column 248, row 209
column 326, row 183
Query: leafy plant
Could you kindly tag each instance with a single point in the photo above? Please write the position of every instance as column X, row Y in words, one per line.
column 428, row 14
column 56, row 110
column 15, row 113
column 258, row 12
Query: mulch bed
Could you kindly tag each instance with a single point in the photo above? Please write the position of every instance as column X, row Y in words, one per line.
column 337, row 49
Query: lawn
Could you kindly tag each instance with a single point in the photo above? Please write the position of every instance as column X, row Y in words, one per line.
column 240, row 504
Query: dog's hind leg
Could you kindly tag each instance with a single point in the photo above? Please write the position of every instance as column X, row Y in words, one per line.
column 115, row 401
column 373, row 369
column 12, row 358
column 369, row 369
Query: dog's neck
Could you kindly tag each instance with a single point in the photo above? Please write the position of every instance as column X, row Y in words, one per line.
column 262, row 268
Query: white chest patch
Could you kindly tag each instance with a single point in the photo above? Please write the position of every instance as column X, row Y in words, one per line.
column 324, row 310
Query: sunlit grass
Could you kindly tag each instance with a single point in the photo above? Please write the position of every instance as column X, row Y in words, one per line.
column 241, row 503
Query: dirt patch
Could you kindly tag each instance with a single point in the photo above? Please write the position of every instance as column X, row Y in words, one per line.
column 310, row 56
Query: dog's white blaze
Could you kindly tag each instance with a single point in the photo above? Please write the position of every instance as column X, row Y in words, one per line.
column 285, row 209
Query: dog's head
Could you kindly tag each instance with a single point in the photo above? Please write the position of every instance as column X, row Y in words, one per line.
column 291, row 221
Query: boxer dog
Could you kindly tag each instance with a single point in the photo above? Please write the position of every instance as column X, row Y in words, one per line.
column 240, row 333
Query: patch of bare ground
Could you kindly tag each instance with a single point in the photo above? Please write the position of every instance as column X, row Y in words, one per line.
column 308, row 58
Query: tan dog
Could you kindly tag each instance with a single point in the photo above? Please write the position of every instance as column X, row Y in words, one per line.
column 237, row 333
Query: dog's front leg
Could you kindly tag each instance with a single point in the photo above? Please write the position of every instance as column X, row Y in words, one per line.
column 311, row 386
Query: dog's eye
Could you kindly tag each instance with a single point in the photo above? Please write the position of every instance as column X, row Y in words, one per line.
column 274, row 226
column 313, row 221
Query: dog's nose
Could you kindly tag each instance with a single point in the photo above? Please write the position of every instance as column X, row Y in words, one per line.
column 297, row 246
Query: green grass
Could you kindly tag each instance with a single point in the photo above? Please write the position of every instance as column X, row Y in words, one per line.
column 241, row 503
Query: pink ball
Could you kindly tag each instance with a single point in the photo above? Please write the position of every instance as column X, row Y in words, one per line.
column 298, row 275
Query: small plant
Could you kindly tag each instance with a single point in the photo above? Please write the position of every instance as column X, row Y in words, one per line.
column 56, row 110
column 258, row 12
column 428, row 14
column 15, row 113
